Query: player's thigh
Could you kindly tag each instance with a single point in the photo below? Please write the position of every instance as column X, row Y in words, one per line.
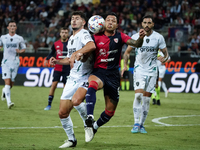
column 162, row 71
column 6, row 73
column 139, row 81
column 69, row 89
column 151, row 83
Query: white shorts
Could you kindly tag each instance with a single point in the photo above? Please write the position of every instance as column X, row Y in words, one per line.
column 9, row 69
column 72, row 86
column 147, row 83
column 161, row 70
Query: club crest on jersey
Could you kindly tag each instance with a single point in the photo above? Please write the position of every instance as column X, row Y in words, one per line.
column 11, row 39
column 147, row 40
column 116, row 40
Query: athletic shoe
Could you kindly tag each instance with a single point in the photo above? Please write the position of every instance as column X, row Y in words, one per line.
column 69, row 143
column 3, row 96
column 142, row 130
column 89, row 130
column 10, row 105
column 48, row 107
column 158, row 102
column 136, row 128
column 154, row 101
column 166, row 93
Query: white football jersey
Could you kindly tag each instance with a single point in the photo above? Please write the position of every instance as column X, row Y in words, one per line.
column 146, row 56
column 75, row 43
column 10, row 44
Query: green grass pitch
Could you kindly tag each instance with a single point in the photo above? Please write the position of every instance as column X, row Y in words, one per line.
column 28, row 127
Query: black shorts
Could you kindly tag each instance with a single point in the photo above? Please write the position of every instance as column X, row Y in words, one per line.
column 126, row 75
column 111, row 82
column 58, row 74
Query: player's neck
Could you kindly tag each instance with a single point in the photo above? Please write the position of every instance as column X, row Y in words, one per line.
column 76, row 31
column 111, row 33
column 149, row 33
column 11, row 34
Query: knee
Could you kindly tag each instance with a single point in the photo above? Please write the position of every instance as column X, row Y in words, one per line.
column 76, row 101
column 63, row 114
column 138, row 96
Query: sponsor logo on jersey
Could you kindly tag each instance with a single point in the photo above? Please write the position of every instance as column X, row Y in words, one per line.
column 57, row 46
column 71, row 50
column 107, row 60
column 147, row 49
column 102, row 52
column 101, row 43
column 59, row 52
column 14, row 45
column 116, row 40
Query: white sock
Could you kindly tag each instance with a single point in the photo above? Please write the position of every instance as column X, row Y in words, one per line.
column 145, row 109
column 95, row 126
column 164, row 86
column 81, row 108
column 159, row 83
column 7, row 93
column 137, row 107
column 68, row 127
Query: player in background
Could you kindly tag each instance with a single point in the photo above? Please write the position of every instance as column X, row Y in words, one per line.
column 77, row 83
column 145, row 71
column 13, row 45
column 125, row 83
column 160, row 83
column 106, row 71
column 60, row 48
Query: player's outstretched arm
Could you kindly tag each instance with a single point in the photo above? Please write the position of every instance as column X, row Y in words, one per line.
column 126, row 58
column 139, row 41
column 20, row 51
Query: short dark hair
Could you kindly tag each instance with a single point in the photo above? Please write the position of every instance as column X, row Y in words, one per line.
column 64, row 28
column 11, row 21
column 148, row 16
column 80, row 13
column 112, row 14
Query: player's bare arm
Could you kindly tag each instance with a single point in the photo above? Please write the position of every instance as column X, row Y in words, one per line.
column 139, row 41
column 64, row 61
column 20, row 51
column 126, row 58
column 166, row 55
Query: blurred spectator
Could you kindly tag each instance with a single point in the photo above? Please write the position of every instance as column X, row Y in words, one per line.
column 183, row 49
column 175, row 9
column 51, row 38
column 32, row 6
column 29, row 47
column 43, row 13
column 178, row 21
column 187, row 25
column 194, row 48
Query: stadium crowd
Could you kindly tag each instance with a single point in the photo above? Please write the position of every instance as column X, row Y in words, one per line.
column 56, row 13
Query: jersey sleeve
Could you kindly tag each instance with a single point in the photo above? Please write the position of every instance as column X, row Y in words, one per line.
column 125, row 37
column 162, row 43
column 86, row 37
column 53, row 50
column 22, row 43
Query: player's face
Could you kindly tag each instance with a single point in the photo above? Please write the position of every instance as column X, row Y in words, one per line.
column 111, row 23
column 77, row 22
column 12, row 27
column 147, row 24
column 64, row 34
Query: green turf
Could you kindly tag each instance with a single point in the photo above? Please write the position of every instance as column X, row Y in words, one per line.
column 16, row 132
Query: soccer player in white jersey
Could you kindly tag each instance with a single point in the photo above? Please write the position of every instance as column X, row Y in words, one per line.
column 160, row 83
column 145, row 71
column 13, row 44
column 77, row 83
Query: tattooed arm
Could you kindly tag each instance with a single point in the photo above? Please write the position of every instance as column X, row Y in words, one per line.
column 139, row 41
column 166, row 55
column 126, row 58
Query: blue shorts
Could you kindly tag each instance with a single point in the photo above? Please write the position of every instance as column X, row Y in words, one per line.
column 111, row 82
column 58, row 74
